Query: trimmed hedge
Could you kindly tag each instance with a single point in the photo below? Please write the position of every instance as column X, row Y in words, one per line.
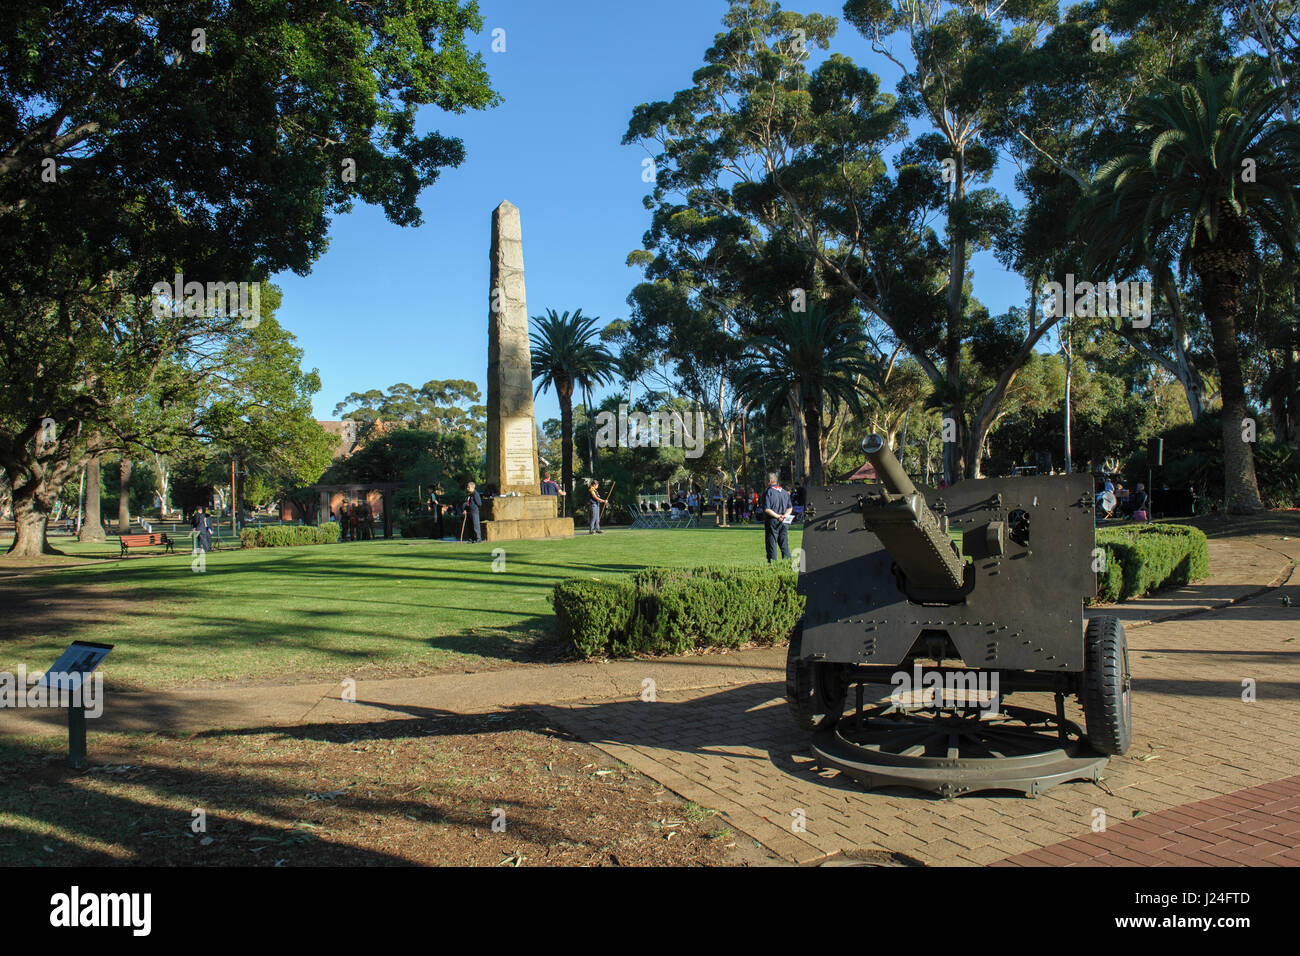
column 589, row 613
column 288, row 535
column 672, row 610
column 1144, row 558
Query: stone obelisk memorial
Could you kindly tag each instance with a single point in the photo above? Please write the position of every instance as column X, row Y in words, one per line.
column 519, row 510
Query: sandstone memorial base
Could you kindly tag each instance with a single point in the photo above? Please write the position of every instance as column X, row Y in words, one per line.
column 527, row 516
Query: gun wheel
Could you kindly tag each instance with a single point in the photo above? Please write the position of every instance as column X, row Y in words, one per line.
column 1107, row 686
column 815, row 690
column 952, row 753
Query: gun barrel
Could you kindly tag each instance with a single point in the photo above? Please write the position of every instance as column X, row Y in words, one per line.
column 906, row 526
column 888, row 468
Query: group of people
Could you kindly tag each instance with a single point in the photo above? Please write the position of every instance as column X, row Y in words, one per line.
column 1115, row 500
column 471, row 528
column 738, row 507
column 471, row 508
column 356, row 521
column 776, row 508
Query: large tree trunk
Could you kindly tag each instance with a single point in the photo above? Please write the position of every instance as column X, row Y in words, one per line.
column 1221, row 268
column 591, row 430
column 812, row 425
column 1069, row 376
column 30, row 521
column 124, row 496
column 163, row 471
column 91, row 528
column 1187, row 376
column 32, row 504
column 744, row 451
column 565, row 393
column 800, row 438
column 954, row 466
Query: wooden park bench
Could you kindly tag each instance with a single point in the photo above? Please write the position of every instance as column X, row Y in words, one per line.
column 144, row 541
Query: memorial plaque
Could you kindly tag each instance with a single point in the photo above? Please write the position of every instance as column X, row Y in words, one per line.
column 518, row 438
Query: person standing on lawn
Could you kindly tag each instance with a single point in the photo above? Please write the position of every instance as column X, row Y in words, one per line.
column 203, row 528
column 777, row 507
column 435, row 506
column 596, row 503
column 473, row 502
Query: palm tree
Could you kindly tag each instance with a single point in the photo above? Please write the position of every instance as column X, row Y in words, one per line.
column 1207, row 168
column 809, row 359
column 566, row 354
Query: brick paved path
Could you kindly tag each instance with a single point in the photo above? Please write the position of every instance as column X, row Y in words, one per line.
column 1195, row 739
column 1259, row 826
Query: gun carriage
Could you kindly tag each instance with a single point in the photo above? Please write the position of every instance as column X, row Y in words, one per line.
column 973, row 592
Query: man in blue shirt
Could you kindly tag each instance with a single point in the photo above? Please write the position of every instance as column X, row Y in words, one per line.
column 549, row 487
column 777, row 506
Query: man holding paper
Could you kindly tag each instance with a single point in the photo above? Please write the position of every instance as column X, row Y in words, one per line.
column 779, row 510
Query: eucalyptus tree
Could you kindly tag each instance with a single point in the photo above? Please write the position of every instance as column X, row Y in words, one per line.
column 762, row 149
column 1080, row 79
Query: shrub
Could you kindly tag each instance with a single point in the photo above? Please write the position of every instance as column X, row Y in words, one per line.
column 589, row 613
column 672, row 610
column 289, row 535
column 416, row 526
column 712, row 607
column 1143, row 558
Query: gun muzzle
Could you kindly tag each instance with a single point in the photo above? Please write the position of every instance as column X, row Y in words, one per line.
column 889, row 470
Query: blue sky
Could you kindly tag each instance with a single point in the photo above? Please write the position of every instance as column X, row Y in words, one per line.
column 388, row 304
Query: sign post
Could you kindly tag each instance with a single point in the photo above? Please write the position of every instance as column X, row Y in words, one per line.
column 77, row 735
column 69, row 674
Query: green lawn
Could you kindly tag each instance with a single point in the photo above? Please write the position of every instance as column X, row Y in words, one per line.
column 368, row 609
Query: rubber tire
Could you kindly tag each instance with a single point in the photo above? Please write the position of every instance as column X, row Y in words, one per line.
column 1106, row 696
column 815, row 690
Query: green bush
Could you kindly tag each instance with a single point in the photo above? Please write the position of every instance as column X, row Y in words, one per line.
column 288, row 535
column 1143, row 558
column 416, row 526
column 590, row 612
column 672, row 610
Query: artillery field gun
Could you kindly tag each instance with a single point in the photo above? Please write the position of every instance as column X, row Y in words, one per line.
column 940, row 603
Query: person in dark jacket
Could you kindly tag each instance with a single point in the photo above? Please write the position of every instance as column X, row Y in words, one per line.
column 435, row 506
column 777, row 506
column 203, row 529
column 473, row 503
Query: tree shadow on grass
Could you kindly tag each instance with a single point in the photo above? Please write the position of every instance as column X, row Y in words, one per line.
column 68, row 609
